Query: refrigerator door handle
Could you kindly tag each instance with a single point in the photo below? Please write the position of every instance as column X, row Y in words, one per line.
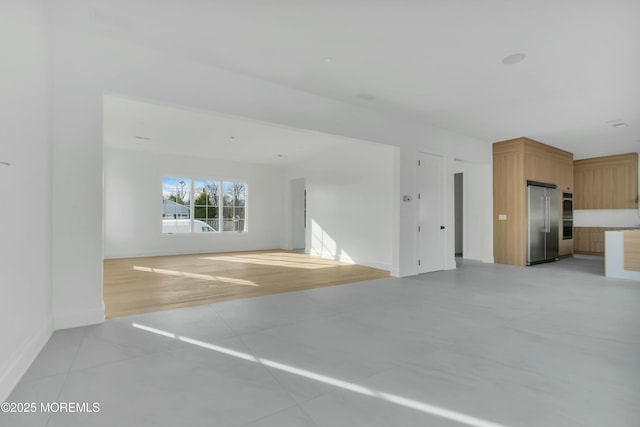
column 548, row 214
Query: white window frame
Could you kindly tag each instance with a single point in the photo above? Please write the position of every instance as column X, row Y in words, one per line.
column 220, row 204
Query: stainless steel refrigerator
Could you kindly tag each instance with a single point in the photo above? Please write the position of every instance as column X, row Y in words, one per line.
column 543, row 218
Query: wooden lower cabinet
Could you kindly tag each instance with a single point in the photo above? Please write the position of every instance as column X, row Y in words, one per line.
column 632, row 250
column 565, row 247
column 590, row 240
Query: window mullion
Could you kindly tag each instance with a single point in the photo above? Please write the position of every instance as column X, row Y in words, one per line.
column 220, row 207
column 192, row 209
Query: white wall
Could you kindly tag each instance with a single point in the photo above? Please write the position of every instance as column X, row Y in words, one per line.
column 350, row 203
column 606, row 218
column 478, row 181
column 461, row 154
column 88, row 62
column 132, row 188
column 25, row 188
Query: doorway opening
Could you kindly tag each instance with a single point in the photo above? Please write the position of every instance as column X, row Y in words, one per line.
column 298, row 214
column 329, row 166
column 459, row 213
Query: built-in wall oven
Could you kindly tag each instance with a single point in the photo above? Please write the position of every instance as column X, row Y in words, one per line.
column 567, row 216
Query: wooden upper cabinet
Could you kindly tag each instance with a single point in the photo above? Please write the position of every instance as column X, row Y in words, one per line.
column 593, row 188
column 539, row 167
column 609, row 182
column 544, row 163
column 625, row 185
column 565, row 175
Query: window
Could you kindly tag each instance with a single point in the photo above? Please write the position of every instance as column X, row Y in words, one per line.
column 233, row 199
column 205, row 205
column 191, row 205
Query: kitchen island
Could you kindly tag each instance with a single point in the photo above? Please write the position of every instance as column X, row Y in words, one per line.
column 622, row 254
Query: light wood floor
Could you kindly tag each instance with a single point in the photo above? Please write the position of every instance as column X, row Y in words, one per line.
column 142, row 285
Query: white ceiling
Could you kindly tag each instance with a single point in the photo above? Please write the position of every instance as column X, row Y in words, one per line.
column 148, row 126
column 436, row 61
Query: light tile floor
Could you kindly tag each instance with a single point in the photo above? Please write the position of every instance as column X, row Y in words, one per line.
column 482, row 346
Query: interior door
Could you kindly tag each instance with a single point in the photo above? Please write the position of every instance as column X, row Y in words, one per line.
column 430, row 213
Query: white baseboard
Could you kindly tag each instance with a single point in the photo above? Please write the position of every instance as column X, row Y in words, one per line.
column 22, row 358
column 377, row 265
column 78, row 318
column 488, row 260
column 188, row 251
column 450, row 264
column 350, row 260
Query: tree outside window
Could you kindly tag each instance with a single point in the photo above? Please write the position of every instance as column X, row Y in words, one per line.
column 234, row 205
column 201, row 205
column 206, row 202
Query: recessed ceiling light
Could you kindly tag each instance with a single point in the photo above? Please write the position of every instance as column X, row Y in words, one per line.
column 281, row 155
column 144, row 138
column 513, row 59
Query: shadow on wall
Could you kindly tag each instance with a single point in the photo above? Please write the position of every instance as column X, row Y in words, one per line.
column 323, row 245
column 348, row 213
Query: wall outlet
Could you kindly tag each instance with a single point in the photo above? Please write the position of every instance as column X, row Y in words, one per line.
column 502, row 217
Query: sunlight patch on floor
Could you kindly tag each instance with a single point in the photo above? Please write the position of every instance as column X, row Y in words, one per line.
column 207, row 277
column 297, row 261
column 336, row 382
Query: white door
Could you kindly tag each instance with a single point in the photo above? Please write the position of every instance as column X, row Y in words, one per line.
column 431, row 230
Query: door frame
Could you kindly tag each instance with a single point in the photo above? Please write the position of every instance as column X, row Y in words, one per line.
column 463, row 208
column 298, row 207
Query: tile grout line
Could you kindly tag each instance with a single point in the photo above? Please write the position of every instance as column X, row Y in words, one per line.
column 66, row 374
